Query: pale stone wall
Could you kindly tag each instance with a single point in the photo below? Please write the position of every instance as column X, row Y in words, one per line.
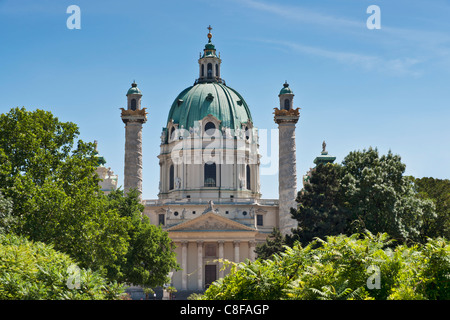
column 235, row 245
column 242, row 212
column 109, row 179
column 189, row 154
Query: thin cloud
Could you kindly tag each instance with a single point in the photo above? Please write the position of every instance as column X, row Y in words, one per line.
column 425, row 45
column 398, row 66
column 302, row 14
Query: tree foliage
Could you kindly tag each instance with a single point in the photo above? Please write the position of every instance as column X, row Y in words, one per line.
column 366, row 192
column 54, row 188
column 35, row 271
column 274, row 243
column 342, row 267
column 380, row 198
column 438, row 191
column 320, row 212
column 150, row 255
column 53, row 196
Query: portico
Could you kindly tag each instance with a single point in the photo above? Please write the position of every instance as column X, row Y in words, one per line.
column 204, row 243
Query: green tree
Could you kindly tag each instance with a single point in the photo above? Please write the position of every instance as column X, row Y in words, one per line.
column 150, row 255
column 360, row 266
column 274, row 243
column 54, row 188
column 35, row 271
column 438, row 191
column 55, row 198
column 320, row 212
column 380, row 198
column 366, row 192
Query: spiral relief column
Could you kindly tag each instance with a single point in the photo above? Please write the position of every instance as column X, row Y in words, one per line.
column 133, row 117
column 286, row 117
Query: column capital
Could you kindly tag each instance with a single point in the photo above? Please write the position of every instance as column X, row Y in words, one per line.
column 286, row 116
column 139, row 116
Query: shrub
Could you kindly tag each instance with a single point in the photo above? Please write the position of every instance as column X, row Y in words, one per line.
column 35, row 271
column 359, row 266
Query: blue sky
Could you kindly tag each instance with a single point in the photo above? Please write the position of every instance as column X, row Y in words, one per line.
column 386, row 88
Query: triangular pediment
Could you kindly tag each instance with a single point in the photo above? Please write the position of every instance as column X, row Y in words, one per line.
column 210, row 222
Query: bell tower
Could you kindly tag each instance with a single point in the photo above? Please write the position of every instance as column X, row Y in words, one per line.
column 133, row 117
column 286, row 117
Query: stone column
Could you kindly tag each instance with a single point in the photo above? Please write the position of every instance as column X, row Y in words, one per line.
column 133, row 120
column 200, row 264
column 133, row 156
column 221, row 271
column 287, row 171
column 251, row 248
column 184, row 245
column 236, row 244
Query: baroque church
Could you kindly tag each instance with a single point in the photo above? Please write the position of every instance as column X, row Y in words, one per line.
column 209, row 198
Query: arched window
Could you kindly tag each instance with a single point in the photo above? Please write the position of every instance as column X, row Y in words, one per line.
column 286, row 104
column 209, row 71
column 172, row 135
column 208, row 126
column 210, row 175
column 133, row 104
column 249, row 184
column 171, row 177
column 203, row 70
column 217, row 70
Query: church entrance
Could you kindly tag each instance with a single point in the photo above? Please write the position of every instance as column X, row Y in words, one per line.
column 210, row 274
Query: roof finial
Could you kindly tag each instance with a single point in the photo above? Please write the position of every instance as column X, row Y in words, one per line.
column 209, row 34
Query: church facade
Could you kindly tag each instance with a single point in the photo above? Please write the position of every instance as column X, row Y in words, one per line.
column 209, row 198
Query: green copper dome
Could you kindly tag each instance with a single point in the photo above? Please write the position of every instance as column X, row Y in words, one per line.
column 198, row 101
column 286, row 89
column 134, row 89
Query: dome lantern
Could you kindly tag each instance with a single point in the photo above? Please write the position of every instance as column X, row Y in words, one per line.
column 209, row 63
